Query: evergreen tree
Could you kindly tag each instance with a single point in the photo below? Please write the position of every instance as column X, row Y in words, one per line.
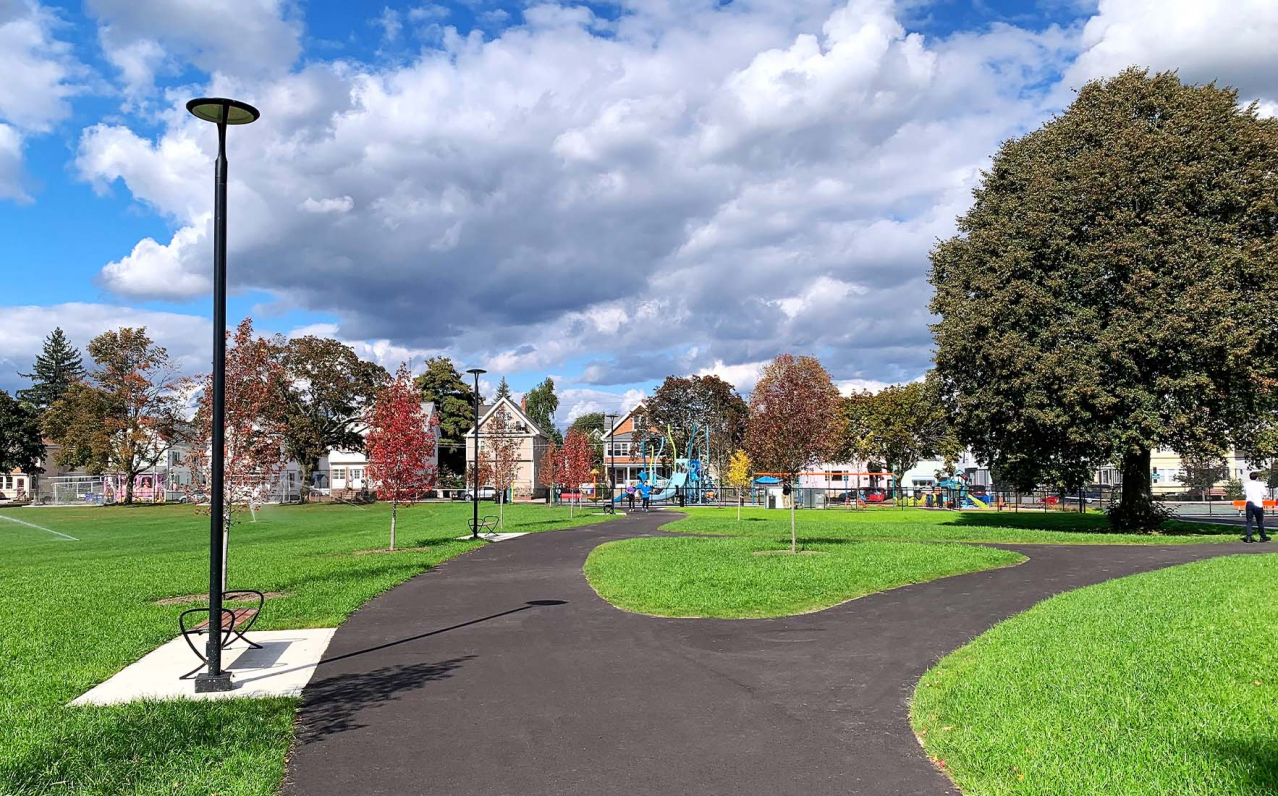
column 454, row 406
column 503, row 389
column 541, row 403
column 21, row 445
column 56, row 368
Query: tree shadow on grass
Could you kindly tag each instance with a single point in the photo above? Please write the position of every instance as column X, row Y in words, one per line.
column 333, row 705
column 1254, row 760
column 1061, row 522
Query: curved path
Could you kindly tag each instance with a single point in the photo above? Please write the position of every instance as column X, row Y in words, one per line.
column 458, row 682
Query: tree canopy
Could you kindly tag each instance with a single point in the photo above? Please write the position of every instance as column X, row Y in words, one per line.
column 682, row 406
column 1114, row 288
column 21, row 444
column 57, row 367
column 897, row 426
column 540, row 404
column 125, row 422
column 454, row 406
column 330, row 390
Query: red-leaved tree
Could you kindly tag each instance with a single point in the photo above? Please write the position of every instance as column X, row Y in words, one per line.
column 546, row 471
column 500, row 455
column 794, row 420
column 253, row 447
column 575, row 462
column 400, row 445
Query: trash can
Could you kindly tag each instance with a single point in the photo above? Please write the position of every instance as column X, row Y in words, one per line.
column 772, row 501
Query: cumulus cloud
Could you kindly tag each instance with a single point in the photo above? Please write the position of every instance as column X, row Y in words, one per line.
column 1230, row 41
column 40, row 75
column 703, row 187
column 187, row 338
column 243, row 38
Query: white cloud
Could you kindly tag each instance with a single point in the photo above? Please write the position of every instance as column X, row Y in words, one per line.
column 38, row 76
column 188, row 338
column 575, row 402
column 11, row 172
column 338, row 204
column 242, row 38
column 1231, row 41
column 702, row 188
column 180, row 270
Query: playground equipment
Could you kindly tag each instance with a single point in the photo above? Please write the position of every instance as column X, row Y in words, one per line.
column 689, row 478
column 963, row 497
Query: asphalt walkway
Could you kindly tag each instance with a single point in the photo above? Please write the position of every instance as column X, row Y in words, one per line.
column 502, row 672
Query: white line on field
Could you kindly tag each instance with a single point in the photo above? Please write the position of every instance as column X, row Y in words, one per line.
column 39, row 528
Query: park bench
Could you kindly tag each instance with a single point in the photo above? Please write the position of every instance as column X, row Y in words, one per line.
column 235, row 623
column 486, row 524
column 1241, row 505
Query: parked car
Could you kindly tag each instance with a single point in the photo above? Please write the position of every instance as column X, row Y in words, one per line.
column 485, row 493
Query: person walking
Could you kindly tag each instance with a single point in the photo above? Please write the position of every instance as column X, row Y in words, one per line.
column 1254, row 490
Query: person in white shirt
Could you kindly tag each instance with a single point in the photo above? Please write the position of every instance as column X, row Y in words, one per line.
column 1254, row 489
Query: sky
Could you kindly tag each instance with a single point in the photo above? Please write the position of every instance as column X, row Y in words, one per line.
column 607, row 192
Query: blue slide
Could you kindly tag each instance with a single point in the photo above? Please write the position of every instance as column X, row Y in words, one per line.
column 676, row 480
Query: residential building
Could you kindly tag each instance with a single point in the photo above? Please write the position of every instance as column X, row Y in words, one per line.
column 621, row 453
column 532, row 446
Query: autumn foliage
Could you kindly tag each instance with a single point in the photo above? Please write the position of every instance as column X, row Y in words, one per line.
column 575, row 461
column 794, row 419
column 400, row 445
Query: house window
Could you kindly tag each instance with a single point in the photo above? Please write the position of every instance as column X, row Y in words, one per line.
column 339, row 473
column 838, row 475
column 357, row 473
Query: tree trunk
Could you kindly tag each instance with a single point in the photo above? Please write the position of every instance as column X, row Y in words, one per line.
column 794, row 544
column 306, row 473
column 501, row 513
column 128, row 491
column 394, row 514
column 1138, row 487
column 740, row 500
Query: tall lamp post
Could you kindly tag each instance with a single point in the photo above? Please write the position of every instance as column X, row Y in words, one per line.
column 612, row 460
column 474, row 526
column 219, row 111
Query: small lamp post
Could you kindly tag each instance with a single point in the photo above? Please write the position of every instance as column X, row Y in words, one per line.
column 474, row 528
column 219, row 111
column 612, row 461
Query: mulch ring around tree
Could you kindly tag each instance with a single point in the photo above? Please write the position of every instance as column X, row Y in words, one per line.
column 396, row 550
column 199, row 598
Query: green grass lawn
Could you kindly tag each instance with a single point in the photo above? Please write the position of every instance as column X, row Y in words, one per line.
column 726, row 578
column 73, row 613
column 1161, row 683
column 939, row 526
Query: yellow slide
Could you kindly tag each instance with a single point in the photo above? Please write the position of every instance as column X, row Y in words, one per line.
column 980, row 503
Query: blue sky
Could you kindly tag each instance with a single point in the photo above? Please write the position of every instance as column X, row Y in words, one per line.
column 603, row 192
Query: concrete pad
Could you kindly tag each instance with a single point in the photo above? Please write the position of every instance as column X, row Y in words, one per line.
column 495, row 537
column 282, row 667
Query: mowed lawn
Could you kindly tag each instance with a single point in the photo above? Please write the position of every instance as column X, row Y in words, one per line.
column 1160, row 683
column 923, row 525
column 751, row 577
column 73, row 613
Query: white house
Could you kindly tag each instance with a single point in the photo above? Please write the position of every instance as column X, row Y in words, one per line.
column 532, row 445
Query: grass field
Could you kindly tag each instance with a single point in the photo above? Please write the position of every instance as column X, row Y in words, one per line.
column 73, row 613
column 938, row 526
column 1161, row 683
column 727, row 578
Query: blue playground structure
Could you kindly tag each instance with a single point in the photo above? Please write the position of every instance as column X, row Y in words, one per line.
column 961, row 495
column 690, row 479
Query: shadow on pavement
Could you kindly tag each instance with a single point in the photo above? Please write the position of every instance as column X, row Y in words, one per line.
column 330, row 706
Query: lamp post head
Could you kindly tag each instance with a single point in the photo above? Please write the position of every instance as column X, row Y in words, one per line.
column 476, row 371
column 220, row 110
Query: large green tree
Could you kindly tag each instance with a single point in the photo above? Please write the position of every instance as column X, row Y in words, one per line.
column 21, row 444
column 1114, row 288
column 898, row 426
column 330, row 390
column 683, row 406
column 125, row 422
column 540, row 404
column 57, row 367
column 454, row 406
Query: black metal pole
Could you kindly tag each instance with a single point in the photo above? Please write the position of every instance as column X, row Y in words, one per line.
column 474, row 528
column 215, row 679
